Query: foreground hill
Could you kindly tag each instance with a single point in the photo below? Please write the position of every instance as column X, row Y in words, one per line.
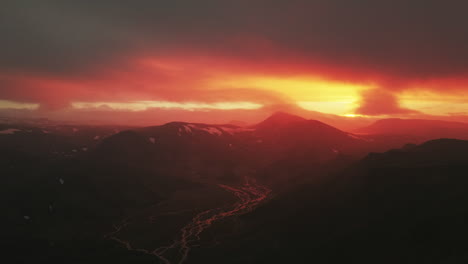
column 402, row 206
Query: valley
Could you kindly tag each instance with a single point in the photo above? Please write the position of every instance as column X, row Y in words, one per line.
column 249, row 195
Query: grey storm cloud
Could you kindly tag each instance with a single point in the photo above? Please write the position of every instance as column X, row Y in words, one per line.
column 405, row 38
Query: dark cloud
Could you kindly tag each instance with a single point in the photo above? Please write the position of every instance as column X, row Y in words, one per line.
column 380, row 102
column 417, row 39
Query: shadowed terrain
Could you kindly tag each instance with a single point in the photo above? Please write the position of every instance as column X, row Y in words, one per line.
column 287, row 190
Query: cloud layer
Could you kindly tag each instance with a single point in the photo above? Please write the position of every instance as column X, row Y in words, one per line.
column 58, row 52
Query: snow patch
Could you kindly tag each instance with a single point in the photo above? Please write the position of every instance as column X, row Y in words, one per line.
column 9, row 131
column 27, row 217
column 335, row 150
column 74, row 150
column 359, row 138
column 353, row 136
column 234, row 130
column 213, row 131
column 152, row 140
column 188, row 129
column 218, row 131
column 97, row 137
column 61, row 181
column 84, row 149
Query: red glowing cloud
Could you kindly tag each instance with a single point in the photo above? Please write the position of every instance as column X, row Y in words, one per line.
column 327, row 56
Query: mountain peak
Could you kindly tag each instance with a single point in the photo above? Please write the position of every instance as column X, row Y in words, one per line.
column 281, row 118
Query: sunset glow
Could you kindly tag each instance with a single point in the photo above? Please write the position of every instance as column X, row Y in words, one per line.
column 330, row 107
column 260, row 63
column 353, row 115
column 297, row 88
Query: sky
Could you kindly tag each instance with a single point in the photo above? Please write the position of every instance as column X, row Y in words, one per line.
column 216, row 61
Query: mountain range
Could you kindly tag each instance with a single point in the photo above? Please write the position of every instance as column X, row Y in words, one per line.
column 287, row 189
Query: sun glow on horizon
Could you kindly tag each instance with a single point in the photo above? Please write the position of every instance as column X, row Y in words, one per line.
column 330, row 107
column 298, row 88
column 310, row 93
column 353, row 115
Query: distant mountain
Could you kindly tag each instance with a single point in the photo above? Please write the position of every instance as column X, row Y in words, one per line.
column 198, row 146
column 426, row 129
column 279, row 119
column 338, row 121
column 293, row 137
column 291, row 127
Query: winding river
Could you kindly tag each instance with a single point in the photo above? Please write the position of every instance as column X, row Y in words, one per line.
column 249, row 195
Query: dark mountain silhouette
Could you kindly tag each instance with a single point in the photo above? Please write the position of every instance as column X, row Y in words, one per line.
column 425, row 129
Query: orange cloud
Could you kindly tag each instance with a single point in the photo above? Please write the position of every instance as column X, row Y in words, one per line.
column 211, row 82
